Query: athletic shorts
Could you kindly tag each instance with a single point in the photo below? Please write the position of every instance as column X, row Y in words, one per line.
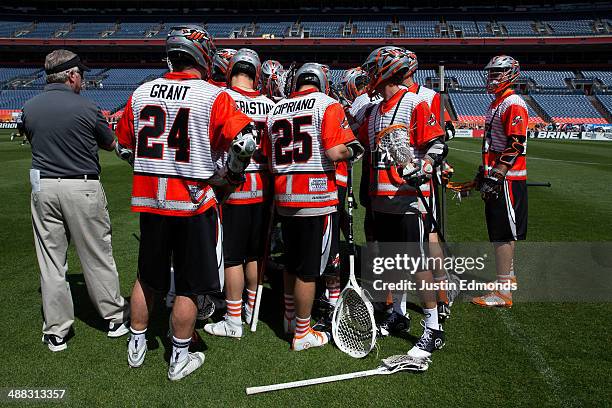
column 191, row 244
column 433, row 202
column 507, row 215
column 400, row 228
column 244, row 226
column 311, row 245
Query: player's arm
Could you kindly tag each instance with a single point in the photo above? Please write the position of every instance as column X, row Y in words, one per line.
column 514, row 120
column 126, row 138
column 338, row 140
column 231, row 131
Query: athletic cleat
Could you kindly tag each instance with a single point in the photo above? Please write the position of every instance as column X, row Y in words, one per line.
column 430, row 341
column 136, row 356
column 311, row 339
column 118, row 329
column 206, row 307
column 187, row 366
column 55, row 343
column 224, row 328
column 394, row 323
column 324, row 324
column 288, row 325
column 443, row 312
column 493, row 299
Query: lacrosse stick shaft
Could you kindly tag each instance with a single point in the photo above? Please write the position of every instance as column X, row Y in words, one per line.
column 351, row 204
column 261, row 270
column 442, row 182
column 535, row 184
column 312, row 381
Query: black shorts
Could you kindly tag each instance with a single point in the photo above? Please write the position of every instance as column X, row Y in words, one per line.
column 402, row 228
column 507, row 215
column 191, row 244
column 311, row 244
column 433, row 202
column 244, row 229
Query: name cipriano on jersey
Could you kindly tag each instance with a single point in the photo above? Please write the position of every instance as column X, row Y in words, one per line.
column 293, row 106
column 170, row 92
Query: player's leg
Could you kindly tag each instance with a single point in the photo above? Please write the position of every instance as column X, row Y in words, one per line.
column 198, row 264
column 153, row 275
column 440, row 277
column 236, row 225
column 388, row 228
column 506, row 219
column 432, row 337
column 309, row 243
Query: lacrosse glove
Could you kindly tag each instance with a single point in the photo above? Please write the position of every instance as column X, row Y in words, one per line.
column 355, row 150
column 124, row 154
column 421, row 172
column 492, row 184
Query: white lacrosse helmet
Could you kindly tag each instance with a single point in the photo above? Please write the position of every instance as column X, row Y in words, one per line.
column 501, row 72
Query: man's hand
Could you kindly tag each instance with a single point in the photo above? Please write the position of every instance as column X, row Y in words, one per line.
column 420, row 173
column 492, row 184
column 124, row 153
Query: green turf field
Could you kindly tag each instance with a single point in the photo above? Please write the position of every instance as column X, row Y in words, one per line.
column 534, row 355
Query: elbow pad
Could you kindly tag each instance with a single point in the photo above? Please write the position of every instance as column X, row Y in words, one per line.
column 516, row 147
column 437, row 152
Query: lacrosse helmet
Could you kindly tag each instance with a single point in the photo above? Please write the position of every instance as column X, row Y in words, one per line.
column 271, row 71
column 413, row 62
column 311, row 73
column 354, row 81
column 501, row 72
column 247, row 61
column 191, row 40
column 383, row 63
column 221, row 61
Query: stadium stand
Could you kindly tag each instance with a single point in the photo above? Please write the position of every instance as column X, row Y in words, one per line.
column 568, row 108
column 606, row 101
column 472, row 107
column 548, row 79
column 603, row 76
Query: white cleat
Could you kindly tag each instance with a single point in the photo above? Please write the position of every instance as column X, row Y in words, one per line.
column 311, row 339
column 136, row 354
column 224, row 328
column 183, row 368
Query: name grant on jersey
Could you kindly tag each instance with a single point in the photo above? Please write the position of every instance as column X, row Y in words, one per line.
column 170, row 92
column 294, row 106
column 253, row 108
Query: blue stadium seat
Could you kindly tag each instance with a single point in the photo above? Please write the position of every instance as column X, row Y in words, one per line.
column 567, row 107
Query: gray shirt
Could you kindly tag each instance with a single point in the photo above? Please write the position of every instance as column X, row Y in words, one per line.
column 65, row 130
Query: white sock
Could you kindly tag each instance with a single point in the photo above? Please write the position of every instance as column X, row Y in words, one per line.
column 431, row 318
column 137, row 338
column 251, row 294
column 234, row 311
column 333, row 293
column 180, row 349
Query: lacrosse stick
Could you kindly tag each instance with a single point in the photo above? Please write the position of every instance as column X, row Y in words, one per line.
column 261, row 270
column 353, row 325
column 442, row 182
column 390, row 365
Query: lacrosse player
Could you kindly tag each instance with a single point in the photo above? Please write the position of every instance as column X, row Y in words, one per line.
column 435, row 250
column 308, row 132
column 244, row 211
column 395, row 206
column 220, row 64
column 176, row 123
column 503, row 174
column 272, row 76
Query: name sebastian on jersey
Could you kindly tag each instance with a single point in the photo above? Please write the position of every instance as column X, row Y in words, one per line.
column 170, row 92
column 294, row 106
column 253, row 108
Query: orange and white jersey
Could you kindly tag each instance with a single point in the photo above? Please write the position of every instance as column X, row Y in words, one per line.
column 301, row 129
column 176, row 125
column 256, row 106
column 432, row 98
column 507, row 116
column 403, row 108
column 341, row 174
column 360, row 108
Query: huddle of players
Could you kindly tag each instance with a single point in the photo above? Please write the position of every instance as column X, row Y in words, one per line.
column 205, row 141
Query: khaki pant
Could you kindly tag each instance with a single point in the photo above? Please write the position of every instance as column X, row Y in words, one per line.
column 66, row 209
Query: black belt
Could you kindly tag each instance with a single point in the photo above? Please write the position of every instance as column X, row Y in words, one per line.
column 79, row 177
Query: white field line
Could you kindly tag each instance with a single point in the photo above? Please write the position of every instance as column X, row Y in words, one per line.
column 536, row 357
column 539, row 158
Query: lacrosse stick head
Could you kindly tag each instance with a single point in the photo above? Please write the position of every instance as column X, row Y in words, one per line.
column 395, row 140
column 353, row 325
column 404, row 362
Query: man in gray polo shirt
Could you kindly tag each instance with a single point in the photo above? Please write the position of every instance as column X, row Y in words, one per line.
column 68, row 202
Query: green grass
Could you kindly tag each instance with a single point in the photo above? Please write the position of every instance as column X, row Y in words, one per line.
column 536, row 354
